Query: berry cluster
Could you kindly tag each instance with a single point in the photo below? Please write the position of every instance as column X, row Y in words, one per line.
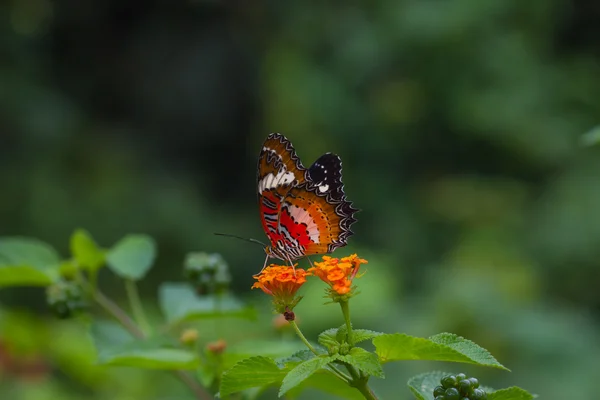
column 65, row 298
column 208, row 273
column 459, row 387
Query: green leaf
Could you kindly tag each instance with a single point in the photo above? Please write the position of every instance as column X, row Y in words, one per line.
column 422, row 385
column 115, row 346
column 511, row 393
column 328, row 338
column 132, row 256
column 296, row 358
column 161, row 358
column 468, row 348
column 252, row 372
column 302, row 371
column 86, row 251
column 365, row 361
column 360, row 335
column 27, row 262
column 327, row 383
column 398, row 346
column 179, row 303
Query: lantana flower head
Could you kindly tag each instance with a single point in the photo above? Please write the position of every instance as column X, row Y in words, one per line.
column 281, row 282
column 338, row 273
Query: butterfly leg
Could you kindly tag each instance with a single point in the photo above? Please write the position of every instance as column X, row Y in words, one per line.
column 265, row 265
column 310, row 262
column 291, row 264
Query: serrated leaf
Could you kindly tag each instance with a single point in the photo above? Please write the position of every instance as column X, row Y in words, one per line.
column 179, row 303
column 511, row 393
column 327, row 383
column 365, row 361
column 302, row 371
column 132, row 256
column 422, row 385
column 296, row 358
column 27, row 262
column 394, row 347
column 85, row 250
column 115, row 346
column 360, row 335
column 328, row 338
column 252, row 372
column 468, row 348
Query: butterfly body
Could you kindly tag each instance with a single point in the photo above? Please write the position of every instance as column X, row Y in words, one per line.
column 303, row 211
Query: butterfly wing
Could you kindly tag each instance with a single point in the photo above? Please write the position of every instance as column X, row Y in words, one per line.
column 279, row 170
column 315, row 216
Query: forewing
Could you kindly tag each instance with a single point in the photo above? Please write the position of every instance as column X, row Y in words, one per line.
column 279, row 169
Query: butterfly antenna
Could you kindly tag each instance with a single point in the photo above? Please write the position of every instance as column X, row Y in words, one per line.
column 241, row 238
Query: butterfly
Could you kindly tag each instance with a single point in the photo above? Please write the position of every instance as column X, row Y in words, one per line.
column 303, row 211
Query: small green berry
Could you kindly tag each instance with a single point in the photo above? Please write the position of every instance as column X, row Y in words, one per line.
column 452, row 394
column 460, row 377
column 464, row 398
column 439, row 391
column 478, row 394
column 474, row 383
column 464, row 387
column 439, row 398
column 448, row 381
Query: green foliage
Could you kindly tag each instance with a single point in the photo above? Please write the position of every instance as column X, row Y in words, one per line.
column 132, row 256
column 511, row 393
column 443, row 347
column 303, row 371
column 180, row 303
column 365, row 361
column 85, row 250
column 27, row 262
column 130, row 346
column 250, row 373
column 115, row 346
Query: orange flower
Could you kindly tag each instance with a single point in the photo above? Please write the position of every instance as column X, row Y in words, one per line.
column 281, row 282
column 338, row 273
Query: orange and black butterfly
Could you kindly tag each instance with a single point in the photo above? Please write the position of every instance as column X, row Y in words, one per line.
column 303, row 211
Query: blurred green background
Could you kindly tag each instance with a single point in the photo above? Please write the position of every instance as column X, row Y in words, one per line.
column 459, row 124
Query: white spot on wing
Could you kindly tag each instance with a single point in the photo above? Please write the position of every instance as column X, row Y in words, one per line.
column 271, row 181
column 323, row 188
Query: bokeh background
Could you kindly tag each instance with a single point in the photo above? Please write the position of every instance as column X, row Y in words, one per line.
column 460, row 127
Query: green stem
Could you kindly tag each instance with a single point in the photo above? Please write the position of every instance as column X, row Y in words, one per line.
column 303, row 338
column 346, row 312
column 136, row 305
column 117, row 313
column 336, row 371
column 365, row 390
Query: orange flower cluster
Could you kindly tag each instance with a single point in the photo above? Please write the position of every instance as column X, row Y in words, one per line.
column 281, row 282
column 338, row 273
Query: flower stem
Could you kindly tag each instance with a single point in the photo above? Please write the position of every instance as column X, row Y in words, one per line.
column 366, row 391
column 136, row 305
column 335, row 371
column 346, row 312
column 303, row 338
